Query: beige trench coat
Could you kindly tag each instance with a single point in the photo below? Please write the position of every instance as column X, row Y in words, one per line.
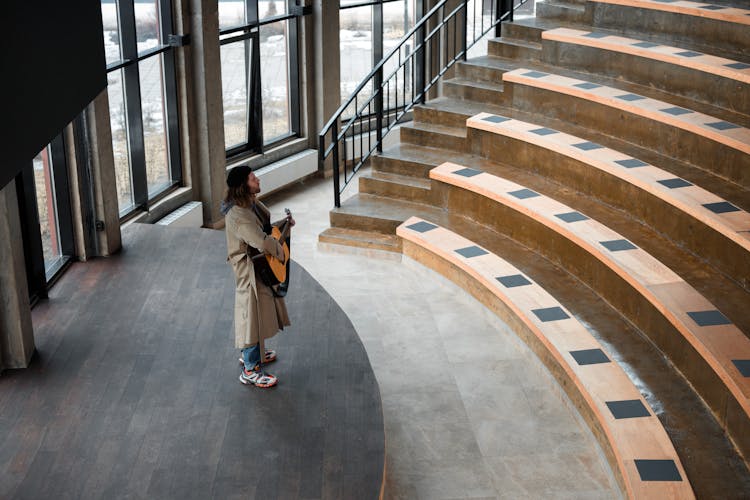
column 258, row 314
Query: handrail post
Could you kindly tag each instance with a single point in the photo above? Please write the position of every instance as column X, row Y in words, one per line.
column 464, row 30
column 377, row 84
column 499, row 13
column 377, row 87
column 420, row 60
column 335, row 152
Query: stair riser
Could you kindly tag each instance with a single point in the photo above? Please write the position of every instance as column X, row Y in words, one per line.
column 498, row 48
column 680, row 80
column 680, row 27
column 573, row 14
column 696, row 149
column 323, row 238
column 435, row 116
column 521, row 32
column 615, row 290
column 722, row 252
column 360, row 223
column 431, row 139
column 484, row 74
column 395, row 190
column 476, row 94
column 401, row 167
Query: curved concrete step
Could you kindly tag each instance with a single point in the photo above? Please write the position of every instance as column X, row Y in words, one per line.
column 427, row 133
column 397, row 186
column 463, row 88
column 710, row 25
column 361, row 239
column 634, row 440
column 704, row 344
column 712, row 463
column 512, row 48
column 707, row 224
column 703, row 77
column 708, row 142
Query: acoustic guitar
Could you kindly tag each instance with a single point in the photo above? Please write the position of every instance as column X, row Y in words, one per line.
column 275, row 272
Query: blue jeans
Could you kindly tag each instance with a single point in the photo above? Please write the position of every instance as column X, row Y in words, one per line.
column 251, row 356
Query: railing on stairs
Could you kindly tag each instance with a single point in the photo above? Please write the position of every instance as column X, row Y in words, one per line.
column 436, row 42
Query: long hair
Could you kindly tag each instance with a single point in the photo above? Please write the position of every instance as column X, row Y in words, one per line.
column 240, row 196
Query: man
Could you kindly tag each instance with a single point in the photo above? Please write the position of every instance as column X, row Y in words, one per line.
column 258, row 314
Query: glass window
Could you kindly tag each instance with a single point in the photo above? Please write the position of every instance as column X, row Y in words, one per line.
column 398, row 19
column 259, row 75
column 111, row 25
column 234, row 86
column 147, row 29
column 274, row 67
column 355, row 37
column 231, row 13
column 154, row 132
column 46, row 203
column 142, row 98
column 118, row 123
column 271, row 8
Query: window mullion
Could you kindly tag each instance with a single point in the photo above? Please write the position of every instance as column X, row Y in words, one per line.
column 255, row 128
column 62, row 195
column 170, row 82
column 254, row 110
column 131, row 86
column 294, row 98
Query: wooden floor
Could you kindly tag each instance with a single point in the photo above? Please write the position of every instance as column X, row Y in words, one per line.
column 134, row 393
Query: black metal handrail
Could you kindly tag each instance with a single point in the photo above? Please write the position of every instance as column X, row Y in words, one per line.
column 438, row 40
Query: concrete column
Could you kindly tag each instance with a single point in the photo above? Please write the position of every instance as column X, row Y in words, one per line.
column 327, row 53
column 207, row 132
column 181, row 11
column 76, row 210
column 103, row 175
column 309, row 117
column 16, row 333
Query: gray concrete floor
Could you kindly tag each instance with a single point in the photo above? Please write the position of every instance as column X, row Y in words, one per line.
column 469, row 410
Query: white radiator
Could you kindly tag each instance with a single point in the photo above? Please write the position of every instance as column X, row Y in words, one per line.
column 188, row 215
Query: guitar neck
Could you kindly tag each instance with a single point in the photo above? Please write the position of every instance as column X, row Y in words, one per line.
column 286, row 227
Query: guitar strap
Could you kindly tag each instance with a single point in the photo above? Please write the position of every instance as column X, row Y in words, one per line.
column 265, row 220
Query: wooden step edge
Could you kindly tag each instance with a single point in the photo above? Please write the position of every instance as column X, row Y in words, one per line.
column 643, row 106
column 691, row 9
column 717, row 347
column 594, row 389
column 705, row 63
column 733, row 225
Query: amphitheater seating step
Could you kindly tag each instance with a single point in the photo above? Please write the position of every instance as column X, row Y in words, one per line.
column 362, row 239
column 721, row 30
column 704, row 344
column 707, row 77
column 606, row 173
column 734, row 70
column 640, row 452
column 718, row 145
column 695, row 9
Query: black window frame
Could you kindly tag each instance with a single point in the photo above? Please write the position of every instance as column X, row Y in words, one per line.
column 39, row 277
column 250, row 32
column 128, row 63
column 377, row 36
